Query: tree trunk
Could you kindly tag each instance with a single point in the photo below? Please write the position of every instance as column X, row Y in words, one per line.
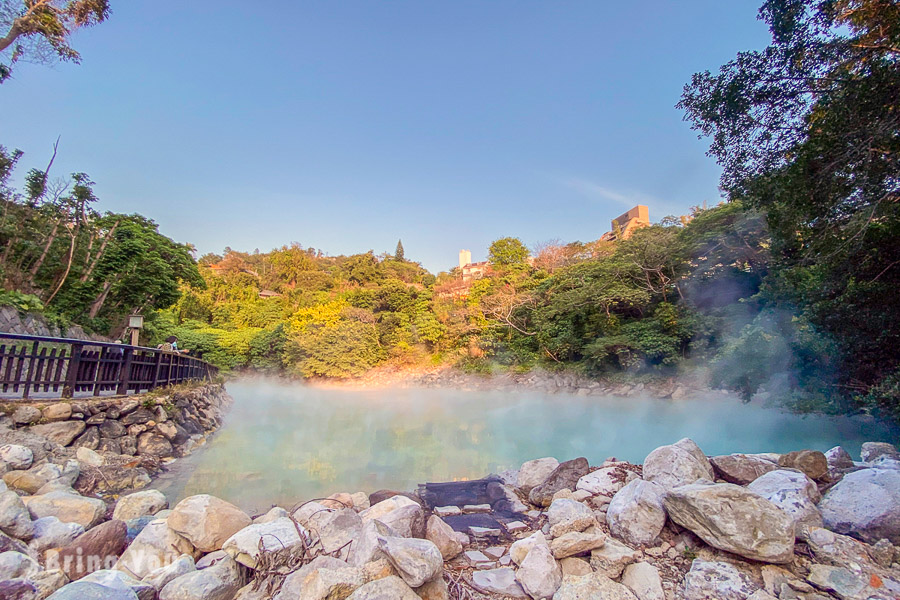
column 98, row 303
column 68, row 268
column 40, row 261
column 100, row 251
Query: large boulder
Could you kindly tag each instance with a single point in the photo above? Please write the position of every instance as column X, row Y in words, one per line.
column 499, row 581
column 741, row 468
column 838, row 458
column 595, row 585
column 85, row 590
column 539, row 574
column 520, row 548
column 865, row 504
column 577, row 542
column 730, row 518
column 681, row 463
column 67, row 506
column 163, row 575
column 717, row 581
column 26, row 415
column 563, row 477
column 16, row 564
column 535, row 472
column 417, row 561
column 365, row 549
column 605, row 481
column 246, row 545
column 15, row 519
column 336, row 530
column 34, row 479
column 103, row 544
column 567, row 515
column 643, row 579
column 63, row 432
column 154, row 444
column 636, row 513
column 118, row 580
column 155, row 546
column 139, row 504
column 612, row 558
column 50, row 532
column 793, row 492
column 404, row 516
column 207, row 521
column 294, row 584
column 811, row 462
column 872, row 450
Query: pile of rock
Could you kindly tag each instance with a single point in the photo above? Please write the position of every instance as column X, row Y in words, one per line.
column 161, row 426
column 798, row 526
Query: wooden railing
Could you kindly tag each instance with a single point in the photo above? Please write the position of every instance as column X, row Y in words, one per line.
column 57, row 367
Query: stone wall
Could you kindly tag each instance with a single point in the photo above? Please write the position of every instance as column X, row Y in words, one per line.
column 132, row 434
column 12, row 321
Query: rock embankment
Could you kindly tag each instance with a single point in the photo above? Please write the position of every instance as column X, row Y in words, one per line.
column 108, row 445
column 800, row 526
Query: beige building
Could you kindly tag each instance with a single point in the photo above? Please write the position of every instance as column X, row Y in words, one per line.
column 623, row 226
column 471, row 271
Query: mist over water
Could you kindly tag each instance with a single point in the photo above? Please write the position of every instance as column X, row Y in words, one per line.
column 283, row 443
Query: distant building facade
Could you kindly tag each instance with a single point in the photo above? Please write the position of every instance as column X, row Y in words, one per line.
column 471, row 271
column 623, row 226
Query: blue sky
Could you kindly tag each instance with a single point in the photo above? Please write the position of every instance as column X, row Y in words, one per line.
column 347, row 125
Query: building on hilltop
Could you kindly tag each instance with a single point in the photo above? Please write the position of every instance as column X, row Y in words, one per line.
column 471, row 271
column 625, row 225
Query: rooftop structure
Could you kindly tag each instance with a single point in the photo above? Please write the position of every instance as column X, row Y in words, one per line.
column 623, row 226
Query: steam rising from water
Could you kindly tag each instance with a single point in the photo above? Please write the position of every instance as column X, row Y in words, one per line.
column 283, row 443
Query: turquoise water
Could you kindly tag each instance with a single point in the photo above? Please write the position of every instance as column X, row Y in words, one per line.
column 284, row 443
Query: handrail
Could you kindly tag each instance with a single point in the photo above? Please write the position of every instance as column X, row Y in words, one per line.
column 65, row 367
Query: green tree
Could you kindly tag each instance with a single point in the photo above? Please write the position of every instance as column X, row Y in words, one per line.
column 508, row 252
column 398, row 253
column 37, row 30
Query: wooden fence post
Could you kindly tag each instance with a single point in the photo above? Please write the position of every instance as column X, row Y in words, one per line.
column 72, row 372
column 31, row 363
column 125, row 373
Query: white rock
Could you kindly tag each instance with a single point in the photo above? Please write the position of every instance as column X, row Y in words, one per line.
column 716, row 581
column 417, row 561
column 336, row 530
column 577, row 542
column 643, row 579
column 535, row 472
column 636, row 514
column 16, row 456
column 160, row 577
column 442, row 536
column 566, row 515
column 117, row 580
column 612, row 557
column 365, row 549
column 294, row 584
column 539, row 574
column 50, row 532
column 244, row 546
column 48, row 581
column 387, row 588
column 520, row 549
column 67, row 507
column 793, row 492
column 678, row 464
column 872, row 450
column 275, row 513
column 139, row 504
column 88, row 457
column 604, row 482
column 401, row 514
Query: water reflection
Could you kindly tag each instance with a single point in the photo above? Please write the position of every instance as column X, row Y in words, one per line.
column 283, row 443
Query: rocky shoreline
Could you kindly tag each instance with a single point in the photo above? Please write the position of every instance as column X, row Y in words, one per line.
column 682, row 525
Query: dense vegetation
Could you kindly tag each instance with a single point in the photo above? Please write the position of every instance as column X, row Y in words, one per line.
column 788, row 286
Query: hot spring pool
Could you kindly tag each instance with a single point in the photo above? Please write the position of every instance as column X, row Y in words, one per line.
column 283, row 443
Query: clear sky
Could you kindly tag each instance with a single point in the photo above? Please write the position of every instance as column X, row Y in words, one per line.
column 346, row 125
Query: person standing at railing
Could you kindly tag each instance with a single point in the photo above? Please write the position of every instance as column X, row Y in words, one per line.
column 171, row 345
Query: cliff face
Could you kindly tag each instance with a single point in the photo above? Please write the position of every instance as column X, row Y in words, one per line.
column 13, row 321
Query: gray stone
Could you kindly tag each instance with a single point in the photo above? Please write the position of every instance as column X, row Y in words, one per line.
column 678, row 464
column 15, row 564
column 636, row 513
column 811, row 462
column 111, row 429
column 567, row 515
column 293, row 585
column 417, row 561
column 442, row 536
column 865, row 504
column 60, row 411
column 793, row 492
column 577, row 542
column 207, row 521
column 336, row 530
column 603, row 482
column 154, row 444
column 539, row 574
column 741, row 468
column 26, row 415
column 838, row 458
column 589, row 587
column 499, row 581
column 844, row 583
column 163, row 575
column 90, row 439
column 520, row 549
column 156, row 545
column 48, row 582
column 401, row 514
column 366, row 549
column 730, row 518
column 87, row 456
column 612, row 558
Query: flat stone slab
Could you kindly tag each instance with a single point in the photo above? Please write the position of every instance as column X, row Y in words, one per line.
column 483, row 532
column 516, row 527
column 471, row 509
column 476, row 557
column 447, row 511
column 495, row 552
